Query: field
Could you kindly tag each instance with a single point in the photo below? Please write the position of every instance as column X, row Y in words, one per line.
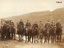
column 16, row 44
column 32, row 17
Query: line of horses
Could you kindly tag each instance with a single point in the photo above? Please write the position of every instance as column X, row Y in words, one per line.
column 33, row 33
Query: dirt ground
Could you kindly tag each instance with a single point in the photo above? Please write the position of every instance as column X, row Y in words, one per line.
column 16, row 44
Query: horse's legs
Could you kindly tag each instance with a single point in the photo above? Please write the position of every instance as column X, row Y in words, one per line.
column 51, row 38
column 19, row 37
column 2, row 36
column 14, row 36
column 11, row 35
column 55, row 37
column 48, row 38
column 45, row 39
column 59, row 38
column 32, row 39
column 28, row 38
column 41, row 37
column 25, row 38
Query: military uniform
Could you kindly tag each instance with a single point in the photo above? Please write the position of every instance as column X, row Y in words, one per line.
column 28, row 30
column 53, row 32
column 40, row 31
column 20, row 27
column 34, row 32
column 46, row 33
column 58, row 31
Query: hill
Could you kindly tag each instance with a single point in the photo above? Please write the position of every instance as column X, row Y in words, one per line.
column 34, row 16
column 40, row 16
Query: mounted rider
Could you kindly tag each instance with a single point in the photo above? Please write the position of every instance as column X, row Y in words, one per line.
column 20, row 28
column 52, row 31
column 12, row 30
column 59, row 30
column 40, row 31
column 47, row 30
column 28, row 30
column 35, row 31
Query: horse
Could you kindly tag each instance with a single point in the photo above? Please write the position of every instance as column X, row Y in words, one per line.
column 34, row 35
column 53, row 34
column 46, row 35
column 4, row 31
column 40, row 34
column 20, row 31
column 58, row 31
column 58, row 34
column 12, row 33
column 28, row 34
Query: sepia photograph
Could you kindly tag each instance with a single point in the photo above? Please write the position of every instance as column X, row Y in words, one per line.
column 31, row 23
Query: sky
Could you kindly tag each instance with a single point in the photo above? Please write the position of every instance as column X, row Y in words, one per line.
column 18, row 7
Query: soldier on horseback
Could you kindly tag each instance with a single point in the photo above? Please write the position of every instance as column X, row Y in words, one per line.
column 3, row 29
column 20, row 27
column 46, row 32
column 35, row 32
column 7, row 29
column 59, row 30
column 28, row 30
column 40, row 32
column 5, row 34
column 52, row 31
column 12, row 30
